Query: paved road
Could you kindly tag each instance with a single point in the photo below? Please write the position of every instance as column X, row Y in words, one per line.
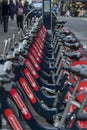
column 78, row 26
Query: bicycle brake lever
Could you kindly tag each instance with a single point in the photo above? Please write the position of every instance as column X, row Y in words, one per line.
column 11, row 75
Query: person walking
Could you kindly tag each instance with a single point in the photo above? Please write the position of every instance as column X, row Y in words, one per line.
column 0, row 12
column 12, row 9
column 5, row 14
column 19, row 13
column 26, row 5
column 81, row 13
column 67, row 14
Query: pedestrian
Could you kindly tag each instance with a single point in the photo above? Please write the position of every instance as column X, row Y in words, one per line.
column 0, row 12
column 81, row 13
column 67, row 13
column 19, row 14
column 5, row 14
column 12, row 9
column 26, row 5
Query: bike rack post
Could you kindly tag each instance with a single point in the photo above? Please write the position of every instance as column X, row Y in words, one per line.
column 5, row 46
column 9, row 44
column 19, row 34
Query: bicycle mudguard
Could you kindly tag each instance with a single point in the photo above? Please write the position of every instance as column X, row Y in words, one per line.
column 35, row 55
column 37, row 66
column 11, row 118
column 37, row 77
column 47, row 99
column 34, row 62
column 34, row 71
column 39, row 53
column 27, row 114
column 31, row 68
column 40, row 42
column 47, row 113
column 8, row 113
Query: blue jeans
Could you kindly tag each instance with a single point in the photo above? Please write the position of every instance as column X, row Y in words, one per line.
column 12, row 15
column 5, row 22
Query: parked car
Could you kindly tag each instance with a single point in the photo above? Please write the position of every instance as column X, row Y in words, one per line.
column 37, row 5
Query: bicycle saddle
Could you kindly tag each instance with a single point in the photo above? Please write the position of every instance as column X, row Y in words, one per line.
column 73, row 55
column 74, row 46
column 60, row 36
column 69, row 39
column 61, row 22
column 67, row 32
column 81, row 116
column 63, row 33
column 74, row 69
column 80, row 70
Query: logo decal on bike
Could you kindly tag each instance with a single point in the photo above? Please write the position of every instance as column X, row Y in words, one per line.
column 37, row 51
column 31, row 80
column 20, row 104
column 27, row 90
column 35, row 55
column 31, row 68
column 12, row 120
column 34, row 61
column 40, row 43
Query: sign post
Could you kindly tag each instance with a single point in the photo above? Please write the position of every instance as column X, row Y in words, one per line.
column 47, row 16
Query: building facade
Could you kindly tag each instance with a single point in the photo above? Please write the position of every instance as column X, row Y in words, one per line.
column 73, row 5
column 77, row 5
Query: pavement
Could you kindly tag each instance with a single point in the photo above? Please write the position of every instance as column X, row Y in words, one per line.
column 85, row 19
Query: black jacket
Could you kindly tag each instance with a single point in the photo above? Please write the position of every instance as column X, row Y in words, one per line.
column 5, row 9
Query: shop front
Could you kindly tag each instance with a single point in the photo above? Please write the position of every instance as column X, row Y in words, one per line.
column 77, row 6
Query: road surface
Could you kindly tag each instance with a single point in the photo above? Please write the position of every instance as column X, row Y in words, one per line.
column 78, row 26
